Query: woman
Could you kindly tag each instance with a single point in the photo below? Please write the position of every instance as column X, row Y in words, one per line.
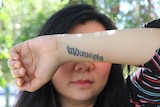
column 113, row 92
column 79, row 74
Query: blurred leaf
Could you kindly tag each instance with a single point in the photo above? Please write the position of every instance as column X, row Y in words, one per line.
column 2, row 82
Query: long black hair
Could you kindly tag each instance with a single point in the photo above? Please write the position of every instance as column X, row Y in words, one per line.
column 114, row 94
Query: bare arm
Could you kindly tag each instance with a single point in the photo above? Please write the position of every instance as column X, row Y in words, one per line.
column 35, row 61
column 132, row 46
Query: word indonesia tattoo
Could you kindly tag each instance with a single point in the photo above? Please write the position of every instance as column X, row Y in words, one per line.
column 76, row 52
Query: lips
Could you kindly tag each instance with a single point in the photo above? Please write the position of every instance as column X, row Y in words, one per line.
column 83, row 83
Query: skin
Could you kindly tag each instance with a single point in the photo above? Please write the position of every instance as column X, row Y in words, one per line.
column 79, row 83
column 27, row 60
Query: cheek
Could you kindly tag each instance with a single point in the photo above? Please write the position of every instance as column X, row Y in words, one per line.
column 63, row 73
column 64, row 69
column 103, row 73
column 104, row 69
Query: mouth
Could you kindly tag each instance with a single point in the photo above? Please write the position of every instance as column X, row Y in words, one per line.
column 83, row 83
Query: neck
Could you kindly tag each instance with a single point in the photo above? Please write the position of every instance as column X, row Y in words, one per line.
column 74, row 103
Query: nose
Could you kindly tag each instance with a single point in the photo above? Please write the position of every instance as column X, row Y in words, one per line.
column 84, row 66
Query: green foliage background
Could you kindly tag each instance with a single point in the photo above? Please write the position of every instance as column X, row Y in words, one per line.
column 22, row 19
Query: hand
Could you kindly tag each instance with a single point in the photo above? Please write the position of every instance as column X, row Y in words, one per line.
column 34, row 62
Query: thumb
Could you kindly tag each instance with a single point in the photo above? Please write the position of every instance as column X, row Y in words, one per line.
column 42, row 75
column 32, row 86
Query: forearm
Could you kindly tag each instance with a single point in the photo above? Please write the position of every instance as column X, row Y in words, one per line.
column 34, row 56
column 124, row 47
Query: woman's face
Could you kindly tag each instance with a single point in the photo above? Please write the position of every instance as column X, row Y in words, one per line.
column 82, row 81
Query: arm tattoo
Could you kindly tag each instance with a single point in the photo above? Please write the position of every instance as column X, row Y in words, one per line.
column 76, row 52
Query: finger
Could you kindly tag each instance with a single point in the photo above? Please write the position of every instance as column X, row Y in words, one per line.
column 14, row 52
column 18, row 72
column 14, row 56
column 32, row 86
column 14, row 64
column 20, row 82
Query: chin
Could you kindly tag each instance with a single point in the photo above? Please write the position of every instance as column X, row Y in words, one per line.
column 84, row 97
